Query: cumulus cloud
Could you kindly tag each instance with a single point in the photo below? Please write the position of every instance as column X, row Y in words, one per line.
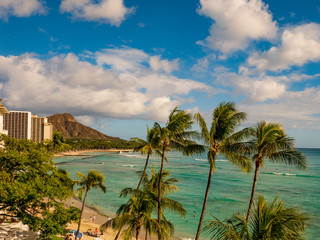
column 202, row 65
column 20, row 8
column 65, row 83
column 237, row 22
column 257, row 88
column 104, row 11
column 299, row 45
column 157, row 64
column 122, row 59
column 295, row 109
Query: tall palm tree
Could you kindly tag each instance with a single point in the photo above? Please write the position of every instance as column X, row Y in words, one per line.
column 270, row 221
column 176, row 133
column 225, row 119
column 93, row 179
column 268, row 141
column 147, row 147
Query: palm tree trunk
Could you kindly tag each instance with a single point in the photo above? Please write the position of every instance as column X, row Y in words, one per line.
column 118, row 233
column 146, row 236
column 159, row 191
column 144, row 171
column 256, row 172
column 83, row 204
column 205, row 202
column 137, row 233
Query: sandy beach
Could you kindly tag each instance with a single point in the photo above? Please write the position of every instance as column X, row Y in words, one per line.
column 87, row 224
column 88, row 151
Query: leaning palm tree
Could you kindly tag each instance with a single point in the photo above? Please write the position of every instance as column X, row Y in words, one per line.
column 268, row 141
column 147, row 147
column 176, row 133
column 93, row 179
column 270, row 221
column 225, row 119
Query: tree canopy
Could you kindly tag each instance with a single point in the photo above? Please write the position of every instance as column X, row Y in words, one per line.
column 33, row 189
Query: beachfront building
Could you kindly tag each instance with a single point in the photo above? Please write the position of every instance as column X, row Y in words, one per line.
column 3, row 110
column 18, row 124
column 41, row 129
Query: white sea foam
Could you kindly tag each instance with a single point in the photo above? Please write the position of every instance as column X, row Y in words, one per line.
column 129, row 165
column 201, row 160
column 290, row 174
column 206, row 160
column 131, row 155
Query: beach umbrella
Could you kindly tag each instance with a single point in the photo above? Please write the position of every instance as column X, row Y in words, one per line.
column 79, row 234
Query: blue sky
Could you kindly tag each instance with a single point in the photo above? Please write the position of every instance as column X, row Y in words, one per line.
column 119, row 65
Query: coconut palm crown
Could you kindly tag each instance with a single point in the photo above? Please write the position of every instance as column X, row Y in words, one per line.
column 270, row 221
column 225, row 119
column 268, row 141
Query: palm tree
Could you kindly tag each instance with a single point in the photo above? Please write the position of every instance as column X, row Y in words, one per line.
column 147, row 147
column 137, row 212
column 93, row 179
column 270, row 221
column 268, row 141
column 175, row 134
column 225, row 119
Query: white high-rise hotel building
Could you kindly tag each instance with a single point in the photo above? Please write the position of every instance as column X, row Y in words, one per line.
column 24, row 125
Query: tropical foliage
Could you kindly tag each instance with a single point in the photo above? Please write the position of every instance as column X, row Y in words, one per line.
column 225, row 119
column 93, row 179
column 175, row 134
column 148, row 147
column 267, row 141
column 270, row 221
column 137, row 212
column 32, row 189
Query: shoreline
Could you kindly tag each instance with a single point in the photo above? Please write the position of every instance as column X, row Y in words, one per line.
column 100, row 218
column 84, row 151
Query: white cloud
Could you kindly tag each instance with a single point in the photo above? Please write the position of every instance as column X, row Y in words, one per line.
column 157, row 65
column 237, row 22
column 65, row 84
column 20, row 8
column 105, row 11
column 202, row 65
column 84, row 119
column 299, row 45
column 256, row 88
column 122, row 59
column 295, row 109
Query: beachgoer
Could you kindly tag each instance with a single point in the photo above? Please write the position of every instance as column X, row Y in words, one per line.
column 90, row 219
column 93, row 218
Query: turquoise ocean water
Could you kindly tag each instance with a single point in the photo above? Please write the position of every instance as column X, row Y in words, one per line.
column 229, row 193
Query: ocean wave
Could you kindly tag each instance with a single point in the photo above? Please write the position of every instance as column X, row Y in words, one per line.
column 131, row 155
column 283, row 174
column 206, row 160
column 129, row 165
column 201, row 160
